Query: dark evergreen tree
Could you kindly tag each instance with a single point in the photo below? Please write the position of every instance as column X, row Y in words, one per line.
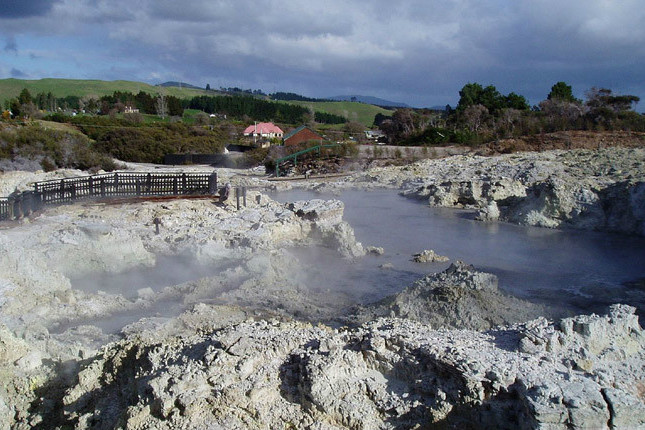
column 562, row 91
column 24, row 97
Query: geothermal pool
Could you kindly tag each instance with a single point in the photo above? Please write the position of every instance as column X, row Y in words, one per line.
column 580, row 271
column 570, row 271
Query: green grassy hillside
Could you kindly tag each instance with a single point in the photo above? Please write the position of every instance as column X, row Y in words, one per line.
column 10, row 88
column 359, row 112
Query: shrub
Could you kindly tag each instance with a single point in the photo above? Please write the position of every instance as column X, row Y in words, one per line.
column 51, row 149
column 254, row 157
column 149, row 144
column 133, row 117
column 48, row 165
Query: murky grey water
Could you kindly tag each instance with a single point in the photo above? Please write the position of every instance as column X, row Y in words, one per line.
column 578, row 270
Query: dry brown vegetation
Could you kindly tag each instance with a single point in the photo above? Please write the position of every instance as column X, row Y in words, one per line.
column 572, row 139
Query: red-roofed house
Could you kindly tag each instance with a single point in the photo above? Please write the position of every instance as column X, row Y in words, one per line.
column 264, row 129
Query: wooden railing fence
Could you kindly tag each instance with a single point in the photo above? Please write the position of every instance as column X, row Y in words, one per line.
column 108, row 185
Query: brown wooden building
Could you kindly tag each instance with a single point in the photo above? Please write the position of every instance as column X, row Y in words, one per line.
column 300, row 135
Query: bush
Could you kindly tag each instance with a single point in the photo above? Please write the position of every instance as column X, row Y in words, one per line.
column 133, row 117
column 51, row 149
column 254, row 157
column 149, row 144
column 48, row 165
column 269, row 165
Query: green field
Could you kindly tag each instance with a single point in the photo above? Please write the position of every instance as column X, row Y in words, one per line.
column 10, row 88
column 359, row 112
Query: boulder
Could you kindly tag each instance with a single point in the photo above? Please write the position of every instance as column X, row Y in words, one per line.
column 429, row 256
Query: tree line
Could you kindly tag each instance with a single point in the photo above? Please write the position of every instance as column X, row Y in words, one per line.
column 293, row 96
column 26, row 105
column 241, row 107
column 483, row 114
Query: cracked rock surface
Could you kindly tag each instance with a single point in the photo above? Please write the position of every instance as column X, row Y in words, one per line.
column 582, row 372
column 246, row 347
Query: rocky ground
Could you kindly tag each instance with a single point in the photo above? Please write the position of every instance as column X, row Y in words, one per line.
column 248, row 345
column 460, row 298
column 601, row 189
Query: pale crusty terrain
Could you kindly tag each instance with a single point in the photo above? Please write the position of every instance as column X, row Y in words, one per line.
column 246, row 349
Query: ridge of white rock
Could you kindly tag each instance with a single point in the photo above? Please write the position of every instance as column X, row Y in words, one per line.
column 386, row 374
column 600, row 189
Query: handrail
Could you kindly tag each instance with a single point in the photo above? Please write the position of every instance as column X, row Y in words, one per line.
column 69, row 190
column 301, row 152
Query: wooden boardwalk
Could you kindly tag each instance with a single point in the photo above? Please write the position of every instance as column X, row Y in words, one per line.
column 106, row 186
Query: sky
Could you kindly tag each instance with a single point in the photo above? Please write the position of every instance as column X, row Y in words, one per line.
column 419, row 52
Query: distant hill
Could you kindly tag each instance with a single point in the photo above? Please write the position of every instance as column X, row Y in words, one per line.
column 369, row 100
column 10, row 88
column 179, row 85
column 358, row 112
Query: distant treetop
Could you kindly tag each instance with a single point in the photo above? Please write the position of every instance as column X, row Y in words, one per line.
column 562, row 91
column 292, row 97
column 474, row 94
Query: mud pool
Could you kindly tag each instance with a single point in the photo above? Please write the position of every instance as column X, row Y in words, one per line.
column 578, row 271
column 570, row 271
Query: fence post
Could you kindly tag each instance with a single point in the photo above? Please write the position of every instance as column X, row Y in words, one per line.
column 138, row 187
column 35, row 199
column 102, row 187
column 148, row 182
column 175, row 186
column 91, row 186
column 18, row 204
column 73, row 191
column 244, row 194
column 38, row 197
column 10, row 207
column 62, row 189
column 116, row 183
column 183, row 183
column 212, row 183
column 237, row 197
column 27, row 202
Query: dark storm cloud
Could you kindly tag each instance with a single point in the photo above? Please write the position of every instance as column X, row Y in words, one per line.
column 419, row 51
column 25, row 8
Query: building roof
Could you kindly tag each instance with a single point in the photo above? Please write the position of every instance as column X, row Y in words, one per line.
column 298, row 130
column 374, row 133
column 263, row 128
